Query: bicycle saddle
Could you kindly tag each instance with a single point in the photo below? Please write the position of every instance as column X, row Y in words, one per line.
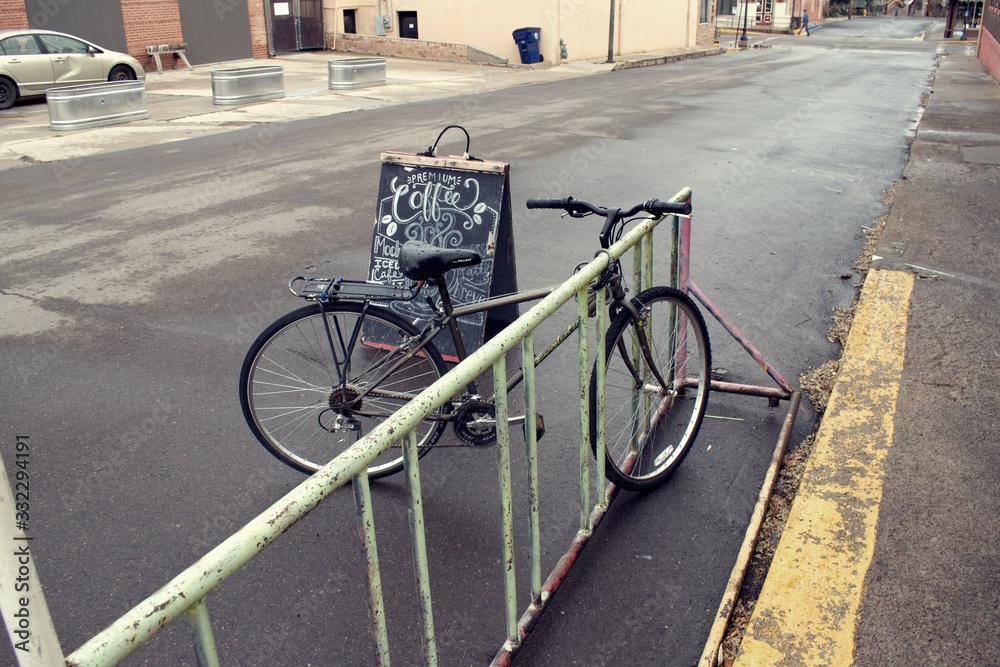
column 421, row 261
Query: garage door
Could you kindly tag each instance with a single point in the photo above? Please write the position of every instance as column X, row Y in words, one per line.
column 98, row 21
column 216, row 31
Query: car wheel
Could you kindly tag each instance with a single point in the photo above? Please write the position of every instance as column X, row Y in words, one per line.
column 121, row 73
column 8, row 93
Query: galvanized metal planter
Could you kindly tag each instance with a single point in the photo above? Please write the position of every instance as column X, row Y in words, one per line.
column 96, row 104
column 351, row 73
column 241, row 85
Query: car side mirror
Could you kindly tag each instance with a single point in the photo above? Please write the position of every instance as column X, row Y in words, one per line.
column 91, row 51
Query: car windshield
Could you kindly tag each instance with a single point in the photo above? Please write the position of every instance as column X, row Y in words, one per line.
column 19, row 45
column 60, row 44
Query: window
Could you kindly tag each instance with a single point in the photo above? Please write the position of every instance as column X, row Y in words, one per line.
column 350, row 22
column 20, row 46
column 726, row 8
column 408, row 25
column 60, row 44
column 704, row 10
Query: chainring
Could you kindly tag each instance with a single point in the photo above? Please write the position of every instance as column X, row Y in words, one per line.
column 475, row 423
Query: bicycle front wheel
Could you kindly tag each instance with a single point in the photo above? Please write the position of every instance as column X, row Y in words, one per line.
column 302, row 379
column 650, row 425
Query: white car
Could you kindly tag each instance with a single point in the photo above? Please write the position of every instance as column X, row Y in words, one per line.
column 32, row 61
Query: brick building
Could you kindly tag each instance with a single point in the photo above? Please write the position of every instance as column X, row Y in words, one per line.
column 214, row 30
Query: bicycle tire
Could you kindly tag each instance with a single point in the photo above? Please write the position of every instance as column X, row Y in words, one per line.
column 639, row 413
column 289, row 385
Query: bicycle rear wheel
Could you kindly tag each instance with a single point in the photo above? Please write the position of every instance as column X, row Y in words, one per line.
column 649, row 428
column 295, row 400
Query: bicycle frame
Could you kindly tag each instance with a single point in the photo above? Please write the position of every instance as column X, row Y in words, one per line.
column 446, row 318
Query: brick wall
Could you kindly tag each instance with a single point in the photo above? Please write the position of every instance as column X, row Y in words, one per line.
column 13, row 15
column 151, row 22
column 989, row 39
column 397, row 48
column 258, row 29
column 706, row 31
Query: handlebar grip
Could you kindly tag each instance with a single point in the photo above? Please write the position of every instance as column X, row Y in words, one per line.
column 550, row 203
column 658, row 207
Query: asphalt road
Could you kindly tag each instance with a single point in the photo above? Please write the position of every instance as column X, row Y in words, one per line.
column 133, row 282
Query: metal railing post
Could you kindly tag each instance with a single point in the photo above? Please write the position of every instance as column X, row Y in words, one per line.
column 600, row 401
column 683, row 252
column 415, row 504
column 201, row 632
column 640, row 402
column 506, row 498
column 369, row 549
column 531, row 454
column 674, row 268
column 647, row 260
column 584, row 360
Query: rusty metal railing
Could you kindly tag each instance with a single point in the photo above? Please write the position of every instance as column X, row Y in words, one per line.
column 187, row 593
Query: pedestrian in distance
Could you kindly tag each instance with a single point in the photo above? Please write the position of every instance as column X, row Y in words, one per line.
column 805, row 21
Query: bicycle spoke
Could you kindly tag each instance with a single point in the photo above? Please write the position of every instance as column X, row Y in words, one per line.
column 649, row 426
column 306, row 405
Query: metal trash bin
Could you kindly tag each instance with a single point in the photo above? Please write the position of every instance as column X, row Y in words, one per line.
column 527, row 43
column 352, row 73
column 240, row 85
column 96, row 104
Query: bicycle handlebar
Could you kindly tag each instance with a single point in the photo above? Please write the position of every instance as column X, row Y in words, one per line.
column 580, row 207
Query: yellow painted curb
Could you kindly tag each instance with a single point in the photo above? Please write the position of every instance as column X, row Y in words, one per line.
column 808, row 606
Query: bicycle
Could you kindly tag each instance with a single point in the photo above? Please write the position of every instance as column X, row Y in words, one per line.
column 320, row 377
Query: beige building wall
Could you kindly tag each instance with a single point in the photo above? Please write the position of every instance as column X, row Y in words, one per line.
column 640, row 25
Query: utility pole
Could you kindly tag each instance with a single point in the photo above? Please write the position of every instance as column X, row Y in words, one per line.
column 611, row 34
column 744, row 41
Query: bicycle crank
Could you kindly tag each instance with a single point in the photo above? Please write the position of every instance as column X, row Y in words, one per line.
column 475, row 423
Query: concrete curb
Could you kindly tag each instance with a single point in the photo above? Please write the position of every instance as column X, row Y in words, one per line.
column 807, row 610
column 668, row 58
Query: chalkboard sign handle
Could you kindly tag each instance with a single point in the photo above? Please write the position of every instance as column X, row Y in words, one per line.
column 468, row 142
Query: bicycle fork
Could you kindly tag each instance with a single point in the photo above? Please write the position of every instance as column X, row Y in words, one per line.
column 618, row 298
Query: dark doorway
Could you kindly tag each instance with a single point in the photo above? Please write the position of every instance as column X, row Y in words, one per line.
column 216, row 32
column 296, row 25
column 350, row 25
column 310, row 27
column 408, row 25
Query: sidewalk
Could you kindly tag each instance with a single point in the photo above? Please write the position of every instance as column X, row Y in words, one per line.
column 889, row 556
column 180, row 101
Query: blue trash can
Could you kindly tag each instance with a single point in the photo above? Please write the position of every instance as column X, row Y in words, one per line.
column 527, row 43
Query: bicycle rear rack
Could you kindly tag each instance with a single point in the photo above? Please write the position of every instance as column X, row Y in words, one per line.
column 324, row 289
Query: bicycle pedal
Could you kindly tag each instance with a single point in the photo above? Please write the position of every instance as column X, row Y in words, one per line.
column 539, row 428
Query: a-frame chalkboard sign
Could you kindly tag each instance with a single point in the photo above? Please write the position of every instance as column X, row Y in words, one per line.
column 449, row 202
